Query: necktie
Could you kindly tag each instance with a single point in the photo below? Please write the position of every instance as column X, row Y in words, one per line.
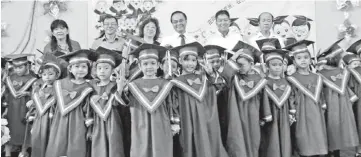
column 183, row 41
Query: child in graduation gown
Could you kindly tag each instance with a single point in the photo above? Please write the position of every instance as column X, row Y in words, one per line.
column 43, row 101
column 67, row 135
column 277, row 139
column 310, row 128
column 353, row 63
column 246, row 107
column 151, row 106
column 200, row 131
column 214, row 56
column 107, row 129
column 340, row 120
column 18, row 84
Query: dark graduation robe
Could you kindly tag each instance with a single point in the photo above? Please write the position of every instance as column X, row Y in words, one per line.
column 67, row 135
column 355, row 85
column 107, row 129
column 310, row 128
column 246, row 107
column 43, row 105
column 276, row 140
column 17, row 106
column 200, row 131
column 151, row 114
column 340, row 120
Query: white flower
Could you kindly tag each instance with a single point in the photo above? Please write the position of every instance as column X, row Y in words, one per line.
column 4, row 122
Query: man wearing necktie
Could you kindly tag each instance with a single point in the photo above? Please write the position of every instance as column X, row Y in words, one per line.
column 181, row 37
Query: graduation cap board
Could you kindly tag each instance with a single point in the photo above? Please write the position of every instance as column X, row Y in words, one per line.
column 331, row 51
column 213, row 51
column 350, row 57
column 355, row 47
column 301, row 20
column 108, row 56
column 280, row 19
column 274, row 54
column 250, row 52
column 253, row 21
column 298, row 47
column 80, row 56
column 194, row 48
column 147, row 51
column 268, row 44
column 18, row 59
column 57, row 63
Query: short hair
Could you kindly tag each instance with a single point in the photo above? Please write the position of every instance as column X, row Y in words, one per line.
column 259, row 17
column 47, row 67
column 149, row 20
column 108, row 16
column 222, row 12
column 178, row 12
column 87, row 76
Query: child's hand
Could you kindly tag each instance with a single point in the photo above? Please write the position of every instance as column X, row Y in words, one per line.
column 292, row 119
column 30, row 118
column 22, row 94
column 89, row 122
column 291, row 69
column 208, row 68
column 235, row 54
column 121, row 82
column 5, row 114
column 29, row 103
column 175, row 129
column 262, row 123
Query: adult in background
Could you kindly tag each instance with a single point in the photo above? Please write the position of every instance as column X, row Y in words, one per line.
column 181, row 37
column 223, row 36
column 60, row 39
column 265, row 21
column 109, row 39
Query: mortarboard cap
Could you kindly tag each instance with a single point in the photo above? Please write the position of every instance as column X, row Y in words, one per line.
column 57, row 63
column 146, row 51
column 18, row 59
column 213, row 51
column 268, row 44
column 80, row 56
column 280, row 19
column 3, row 62
column 355, row 47
column 58, row 53
column 250, row 51
column 173, row 56
column 290, row 41
column 253, row 21
column 298, row 47
column 233, row 19
column 348, row 58
column 301, row 20
column 331, row 52
column 108, row 56
column 194, row 48
column 274, row 54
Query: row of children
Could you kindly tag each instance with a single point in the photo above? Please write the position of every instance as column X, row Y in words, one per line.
column 232, row 110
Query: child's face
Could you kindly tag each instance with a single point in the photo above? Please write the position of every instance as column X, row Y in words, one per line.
column 104, row 70
column 149, row 67
column 189, row 63
column 174, row 66
column 79, row 70
column 244, row 64
column 354, row 64
column 49, row 75
column 275, row 67
column 215, row 62
column 302, row 60
column 20, row 70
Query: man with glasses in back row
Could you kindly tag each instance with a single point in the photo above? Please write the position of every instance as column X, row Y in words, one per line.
column 181, row 37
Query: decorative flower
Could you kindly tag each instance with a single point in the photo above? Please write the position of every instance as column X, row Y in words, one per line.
column 347, row 30
column 4, row 26
column 54, row 7
column 5, row 132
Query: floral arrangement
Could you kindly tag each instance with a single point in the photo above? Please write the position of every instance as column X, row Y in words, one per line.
column 54, row 7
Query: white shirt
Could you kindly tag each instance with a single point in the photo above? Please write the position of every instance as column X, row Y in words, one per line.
column 175, row 39
column 228, row 41
column 260, row 36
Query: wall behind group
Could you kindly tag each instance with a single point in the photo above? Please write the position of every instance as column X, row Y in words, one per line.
column 17, row 14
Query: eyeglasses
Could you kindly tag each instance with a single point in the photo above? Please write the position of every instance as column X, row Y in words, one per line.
column 110, row 24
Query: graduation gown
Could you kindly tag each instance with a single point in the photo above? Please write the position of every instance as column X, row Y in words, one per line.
column 17, row 106
column 107, row 129
column 200, row 131
column 246, row 107
column 151, row 112
column 355, row 85
column 310, row 128
column 276, row 141
column 340, row 120
column 43, row 105
column 68, row 131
